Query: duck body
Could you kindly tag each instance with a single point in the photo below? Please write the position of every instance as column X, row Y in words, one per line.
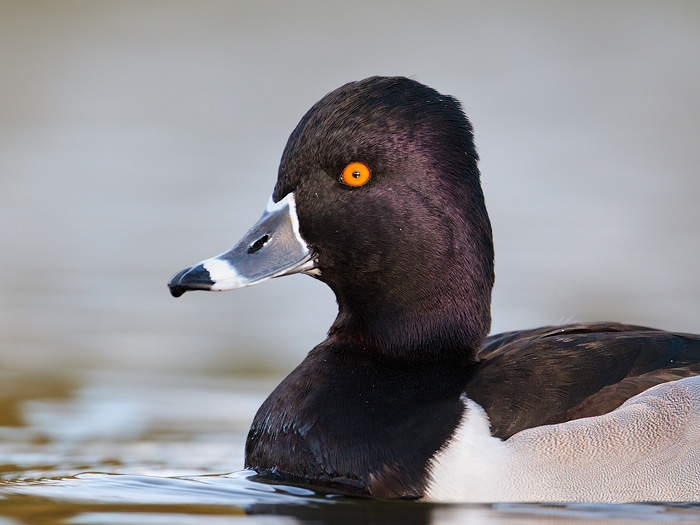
column 551, row 427
column 645, row 450
column 379, row 196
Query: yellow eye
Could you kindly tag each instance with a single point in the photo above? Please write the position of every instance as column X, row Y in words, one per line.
column 355, row 174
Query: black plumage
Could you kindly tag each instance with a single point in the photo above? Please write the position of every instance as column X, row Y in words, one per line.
column 409, row 256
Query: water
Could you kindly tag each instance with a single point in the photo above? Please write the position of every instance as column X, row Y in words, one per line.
column 149, row 448
column 137, row 138
column 221, row 499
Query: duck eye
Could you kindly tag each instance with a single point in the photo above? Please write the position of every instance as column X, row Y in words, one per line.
column 355, row 174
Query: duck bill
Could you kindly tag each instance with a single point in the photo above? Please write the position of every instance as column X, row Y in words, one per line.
column 272, row 247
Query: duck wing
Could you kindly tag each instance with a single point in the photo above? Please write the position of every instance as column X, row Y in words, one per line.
column 555, row 374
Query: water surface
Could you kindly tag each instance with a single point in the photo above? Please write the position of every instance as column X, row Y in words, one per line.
column 148, row 448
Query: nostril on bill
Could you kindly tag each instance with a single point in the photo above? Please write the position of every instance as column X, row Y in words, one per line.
column 258, row 244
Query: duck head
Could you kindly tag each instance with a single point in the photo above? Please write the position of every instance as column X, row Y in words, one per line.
column 378, row 195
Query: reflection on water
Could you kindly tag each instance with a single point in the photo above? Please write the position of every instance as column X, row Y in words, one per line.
column 103, row 498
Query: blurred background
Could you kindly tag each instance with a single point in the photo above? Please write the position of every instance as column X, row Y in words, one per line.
column 137, row 138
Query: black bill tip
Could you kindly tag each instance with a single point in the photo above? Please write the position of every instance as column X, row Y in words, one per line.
column 195, row 278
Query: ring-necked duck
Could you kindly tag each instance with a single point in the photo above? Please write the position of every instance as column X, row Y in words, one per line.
column 378, row 195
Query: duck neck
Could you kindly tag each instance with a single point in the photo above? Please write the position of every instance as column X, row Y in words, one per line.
column 447, row 323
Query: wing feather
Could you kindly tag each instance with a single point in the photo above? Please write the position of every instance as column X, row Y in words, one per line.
column 556, row 374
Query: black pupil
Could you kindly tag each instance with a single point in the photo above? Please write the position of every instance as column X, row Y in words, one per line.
column 356, row 174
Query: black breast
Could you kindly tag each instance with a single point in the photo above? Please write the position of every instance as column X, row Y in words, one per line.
column 354, row 420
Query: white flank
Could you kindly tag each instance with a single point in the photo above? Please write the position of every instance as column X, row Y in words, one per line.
column 471, row 466
column 646, row 450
